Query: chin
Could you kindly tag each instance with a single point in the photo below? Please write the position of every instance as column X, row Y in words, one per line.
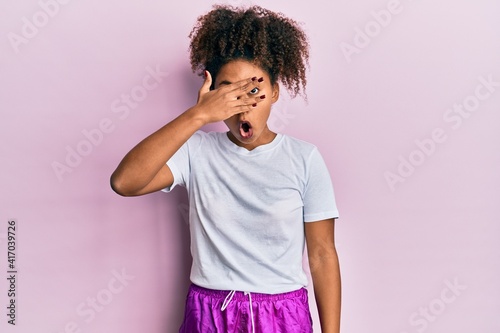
column 246, row 140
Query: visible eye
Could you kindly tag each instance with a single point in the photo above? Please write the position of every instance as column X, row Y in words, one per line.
column 254, row 91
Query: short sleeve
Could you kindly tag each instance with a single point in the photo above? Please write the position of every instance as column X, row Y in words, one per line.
column 318, row 197
column 179, row 163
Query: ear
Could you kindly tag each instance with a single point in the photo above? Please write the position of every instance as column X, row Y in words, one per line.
column 276, row 92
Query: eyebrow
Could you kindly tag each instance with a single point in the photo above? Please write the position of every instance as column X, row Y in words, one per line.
column 224, row 82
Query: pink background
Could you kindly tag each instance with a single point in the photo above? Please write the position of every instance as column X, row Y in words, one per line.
column 418, row 254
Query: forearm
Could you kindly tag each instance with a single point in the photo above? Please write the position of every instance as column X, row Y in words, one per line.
column 325, row 274
column 146, row 159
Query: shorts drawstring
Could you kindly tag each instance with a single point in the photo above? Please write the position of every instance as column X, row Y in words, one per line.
column 228, row 299
column 251, row 310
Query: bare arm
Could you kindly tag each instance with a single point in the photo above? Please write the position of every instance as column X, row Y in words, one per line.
column 144, row 170
column 325, row 272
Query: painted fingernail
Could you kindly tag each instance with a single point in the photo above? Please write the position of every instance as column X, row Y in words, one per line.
column 260, row 80
column 254, row 78
column 254, row 104
column 263, row 96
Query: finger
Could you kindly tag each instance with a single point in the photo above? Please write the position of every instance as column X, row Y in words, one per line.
column 245, row 85
column 245, row 108
column 205, row 88
column 249, row 100
column 246, row 104
column 244, row 92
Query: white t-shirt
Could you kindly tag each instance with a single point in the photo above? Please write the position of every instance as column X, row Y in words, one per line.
column 247, row 209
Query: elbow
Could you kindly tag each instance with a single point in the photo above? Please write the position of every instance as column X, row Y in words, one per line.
column 325, row 260
column 118, row 186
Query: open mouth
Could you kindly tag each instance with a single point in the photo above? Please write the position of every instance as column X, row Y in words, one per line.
column 246, row 130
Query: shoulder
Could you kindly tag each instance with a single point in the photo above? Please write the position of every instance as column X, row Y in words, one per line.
column 298, row 146
column 305, row 154
column 203, row 138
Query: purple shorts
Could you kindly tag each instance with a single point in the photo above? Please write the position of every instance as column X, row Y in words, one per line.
column 223, row 311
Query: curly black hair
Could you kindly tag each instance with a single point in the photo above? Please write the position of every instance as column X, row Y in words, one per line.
column 270, row 40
